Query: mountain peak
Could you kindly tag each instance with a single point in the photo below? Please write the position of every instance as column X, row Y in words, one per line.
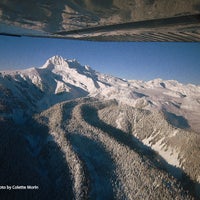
column 57, row 60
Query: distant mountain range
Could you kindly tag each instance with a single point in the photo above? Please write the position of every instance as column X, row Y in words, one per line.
column 81, row 134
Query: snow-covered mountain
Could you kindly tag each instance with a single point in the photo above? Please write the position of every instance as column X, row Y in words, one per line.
column 64, row 97
column 36, row 89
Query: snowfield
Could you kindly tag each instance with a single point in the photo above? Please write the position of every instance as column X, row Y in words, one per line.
column 89, row 135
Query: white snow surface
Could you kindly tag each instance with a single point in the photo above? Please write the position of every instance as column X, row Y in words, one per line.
column 170, row 154
column 61, row 79
column 24, row 92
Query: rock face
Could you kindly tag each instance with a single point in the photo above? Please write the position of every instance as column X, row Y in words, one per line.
column 79, row 134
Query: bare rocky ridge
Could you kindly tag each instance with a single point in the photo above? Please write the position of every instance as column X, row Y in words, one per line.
column 80, row 134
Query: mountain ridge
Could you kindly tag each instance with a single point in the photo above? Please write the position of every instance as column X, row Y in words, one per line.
column 62, row 79
column 68, row 105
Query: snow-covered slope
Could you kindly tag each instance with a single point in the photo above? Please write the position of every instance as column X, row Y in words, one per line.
column 36, row 89
column 59, row 79
column 156, row 115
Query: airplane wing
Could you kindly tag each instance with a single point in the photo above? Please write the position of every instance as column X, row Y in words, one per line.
column 102, row 20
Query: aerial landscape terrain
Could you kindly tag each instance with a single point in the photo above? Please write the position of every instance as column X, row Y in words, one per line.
column 71, row 132
column 99, row 100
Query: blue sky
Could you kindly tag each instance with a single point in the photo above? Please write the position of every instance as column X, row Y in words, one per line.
column 129, row 60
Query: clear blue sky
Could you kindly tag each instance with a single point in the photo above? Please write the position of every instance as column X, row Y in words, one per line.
column 130, row 60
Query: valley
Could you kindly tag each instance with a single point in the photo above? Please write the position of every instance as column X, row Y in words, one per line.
column 79, row 134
